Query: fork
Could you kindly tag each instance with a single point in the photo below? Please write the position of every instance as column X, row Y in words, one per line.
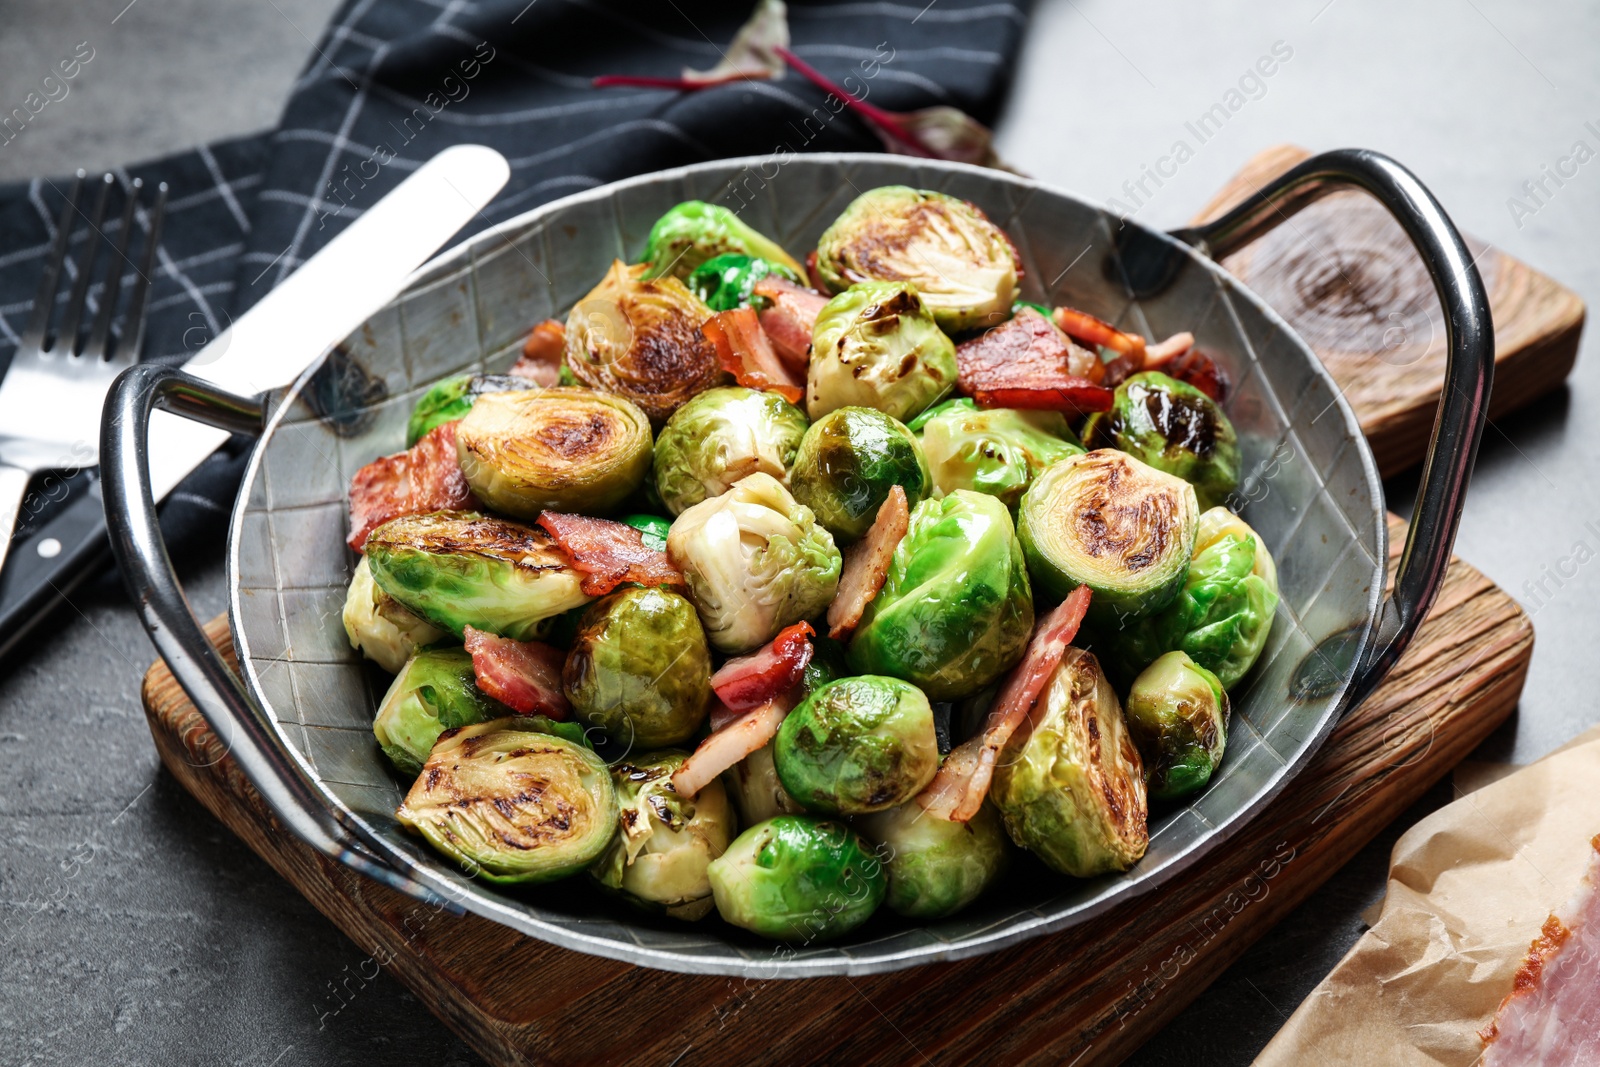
column 50, row 399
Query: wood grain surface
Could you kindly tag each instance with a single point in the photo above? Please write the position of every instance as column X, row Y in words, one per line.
column 1346, row 278
column 1086, row 996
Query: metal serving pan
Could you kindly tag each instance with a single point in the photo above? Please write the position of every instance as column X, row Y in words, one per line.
column 299, row 717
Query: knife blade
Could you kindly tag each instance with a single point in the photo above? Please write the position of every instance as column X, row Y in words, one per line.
column 268, row 347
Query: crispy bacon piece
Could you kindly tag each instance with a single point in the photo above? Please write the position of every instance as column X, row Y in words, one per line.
column 1027, row 363
column 745, row 352
column 1071, row 397
column 608, row 553
column 866, row 565
column 957, row 791
column 525, row 676
column 1158, row 354
column 425, row 477
column 1200, row 371
column 542, row 353
column 721, row 715
column 790, row 319
column 769, row 671
column 1084, row 327
column 727, row 746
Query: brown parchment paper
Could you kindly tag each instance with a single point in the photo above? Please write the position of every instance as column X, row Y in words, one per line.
column 1469, row 888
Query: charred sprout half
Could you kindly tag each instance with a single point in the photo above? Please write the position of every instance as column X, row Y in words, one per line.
column 876, row 346
column 956, row 610
column 727, row 281
column 1178, row 716
column 379, row 627
column 858, row 745
column 998, row 451
column 1105, row 520
column 459, row 569
column 1071, row 788
column 511, row 804
column 664, row 842
column 846, row 465
column 639, row 668
column 723, row 435
column 694, row 232
column 641, row 340
column 937, row 866
column 755, row 561
column 961, row 263
column 1173, row 427
column 452, row 398
column 800, row 879
column 561, row 449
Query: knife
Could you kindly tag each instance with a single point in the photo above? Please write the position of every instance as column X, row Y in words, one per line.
column 268, row 347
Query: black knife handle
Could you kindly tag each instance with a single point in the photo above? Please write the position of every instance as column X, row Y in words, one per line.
column 48, row 562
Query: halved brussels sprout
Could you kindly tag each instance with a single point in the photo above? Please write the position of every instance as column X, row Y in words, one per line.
column 1105, row 520
column 937, row 866
column 723, row 435
column 639, row 668
column 1173, row 427
column 459, row 569
column 848, row 462
column 795, row 878
column 652, row 529
column 875, row 346
column 452, row 398
column 956, row 610
column 1178, row 716
column 1072, row 789
column 560, row 449
column 961, row 263
column 998, row 451
column 379, row 628
column 755, row 562
column 695, row 231
column 725, row 282
column 858, row 745
column 433, row 692
column 665, row 842
column 1222, row 616
column 641, row 340
column 511, row 804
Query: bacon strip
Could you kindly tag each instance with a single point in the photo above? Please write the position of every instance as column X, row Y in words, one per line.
column 957, row 791
column 790, row 319
column 1069, row 396
column 542, row 353
column 608, row 553
column 1176, row 345
column 1084, row 327
column 729, row 745
column 866, row 565
column 425, row 477
column 763, row 675
column 1200, row 371
column 525, row 676
column 745, row 352
column 1024, row 348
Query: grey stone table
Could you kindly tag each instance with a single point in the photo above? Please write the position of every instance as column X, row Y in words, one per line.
column 135, row 930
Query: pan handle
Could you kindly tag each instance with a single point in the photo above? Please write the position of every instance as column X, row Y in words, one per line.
column 1469, row 367
column 213, row 686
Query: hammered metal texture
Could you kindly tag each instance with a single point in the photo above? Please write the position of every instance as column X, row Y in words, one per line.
column 1310, row 489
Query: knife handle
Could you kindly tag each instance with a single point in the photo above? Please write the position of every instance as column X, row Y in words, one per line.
column 49, row 562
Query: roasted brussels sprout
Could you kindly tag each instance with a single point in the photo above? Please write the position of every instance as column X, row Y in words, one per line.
column 756, row 789
column 956, row 610
column 379, row 628
column 665, row 842
column 723, row 435
column 652, row 529
column 694, row 232
column 755, row 561
column 1072, row 788
column 433, row 692
column 848, row 462
column 795, row 878
column 961, row 263
column 1222, row 616
column 858, row 745
column 875, row 346
column 998, row 451
column 725, row 282
column 560, row 449
column 639, row 668
column 641, row 340
column 1173, row 427
column 459, row 569
column 1178, row 717
column 1105, row 520
column 512, row 804
column 937, row 866
column 452, row 398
